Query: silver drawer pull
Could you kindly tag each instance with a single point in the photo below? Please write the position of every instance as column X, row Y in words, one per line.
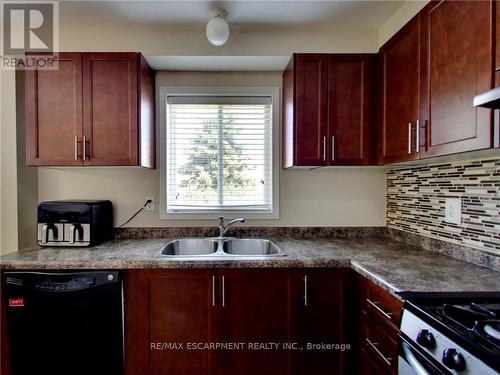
column 213, row 290
column 324, row 148
column 333, row 148
column 84, row 148
column 373, row 345
column 417, row 141
column 305, row 290
column 223, row 291
column 375, row 305
column 76, row 147
column 409, row 138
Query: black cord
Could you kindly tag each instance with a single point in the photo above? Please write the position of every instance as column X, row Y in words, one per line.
column 137, row 213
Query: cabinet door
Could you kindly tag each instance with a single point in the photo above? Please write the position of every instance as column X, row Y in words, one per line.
column 165, row 311
column 399, row 60
column 322, row 320
column 497, row 40
column 258, row 307
column 456, row 51
column 53, row 116
column 110, row 108
column 349, row 115
column 311, row 109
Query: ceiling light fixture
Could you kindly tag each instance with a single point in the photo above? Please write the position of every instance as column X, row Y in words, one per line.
column 218, row 29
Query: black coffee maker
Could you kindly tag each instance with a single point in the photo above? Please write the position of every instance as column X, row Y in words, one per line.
column 74, row 222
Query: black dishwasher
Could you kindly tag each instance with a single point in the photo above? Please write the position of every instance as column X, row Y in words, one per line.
column 64, row 323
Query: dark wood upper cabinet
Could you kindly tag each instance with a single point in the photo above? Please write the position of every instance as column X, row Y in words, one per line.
column 96, row 109
column 456, row 50
column 258, row 306
column 305, row 104
column 497, row 43
column 110, row 108
column 53, row 113
column 399, row 93
column 350, row 111
column 326, row 110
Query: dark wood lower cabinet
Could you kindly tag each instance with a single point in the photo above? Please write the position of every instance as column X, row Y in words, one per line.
column 367, row 364
column 376, row 327
column 323, row 322
column 270, row 313
column 258, row 309
column 166, row 311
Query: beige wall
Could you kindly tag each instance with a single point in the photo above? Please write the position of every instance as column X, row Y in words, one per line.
column 187, row 42
column 322, row 197
column 405, row 13
column 8, row 164
column 27, row 178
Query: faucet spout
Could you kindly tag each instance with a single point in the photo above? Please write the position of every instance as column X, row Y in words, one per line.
column 224, row 228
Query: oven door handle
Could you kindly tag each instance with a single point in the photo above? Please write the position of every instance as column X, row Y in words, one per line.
column 412, row 360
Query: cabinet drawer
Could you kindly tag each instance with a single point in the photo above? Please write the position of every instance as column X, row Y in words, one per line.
column 370, row 367
column 380, row 344
column 379, row 304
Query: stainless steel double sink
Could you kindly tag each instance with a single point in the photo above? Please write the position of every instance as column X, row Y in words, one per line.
column 221, row 247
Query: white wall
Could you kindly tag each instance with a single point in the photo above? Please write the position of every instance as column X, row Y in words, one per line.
column 321, row 197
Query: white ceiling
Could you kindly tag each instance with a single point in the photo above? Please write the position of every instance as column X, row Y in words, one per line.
column 240, row 13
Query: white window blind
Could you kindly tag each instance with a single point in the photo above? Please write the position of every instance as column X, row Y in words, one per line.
column 219, row 154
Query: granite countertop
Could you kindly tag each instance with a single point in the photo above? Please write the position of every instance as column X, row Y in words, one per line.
column 397, row 267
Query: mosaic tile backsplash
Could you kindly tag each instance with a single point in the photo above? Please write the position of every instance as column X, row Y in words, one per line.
column 416, row 201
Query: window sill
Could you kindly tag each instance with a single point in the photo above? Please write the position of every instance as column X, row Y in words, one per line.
column 250, row 215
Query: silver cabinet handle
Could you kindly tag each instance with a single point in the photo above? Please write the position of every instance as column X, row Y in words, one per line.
column 45, row 234
column 305, row 290
column 72, row 230
column 76, row 147
column 213, row 290
column 84, row 148
column 223, row 291
column 409, row 138
column 417, row 141
column 375, row 305
column 333, row 147
column 324, row 148
column 373, row 345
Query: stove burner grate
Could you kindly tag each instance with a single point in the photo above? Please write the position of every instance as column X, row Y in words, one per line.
column 480, row 320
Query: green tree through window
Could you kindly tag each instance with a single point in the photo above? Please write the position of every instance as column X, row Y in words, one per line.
column 202, row 170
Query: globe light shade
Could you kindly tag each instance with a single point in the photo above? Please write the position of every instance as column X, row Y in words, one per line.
column 217, row 31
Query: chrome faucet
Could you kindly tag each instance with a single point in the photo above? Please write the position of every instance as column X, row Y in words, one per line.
column 224, row 228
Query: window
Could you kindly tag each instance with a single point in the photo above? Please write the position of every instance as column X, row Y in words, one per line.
column 219, row 154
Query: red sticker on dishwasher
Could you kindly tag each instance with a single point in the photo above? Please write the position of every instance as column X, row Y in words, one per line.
column 16, row 302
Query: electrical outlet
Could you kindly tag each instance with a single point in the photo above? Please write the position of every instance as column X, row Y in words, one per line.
column 151, row 205
column 453, row 210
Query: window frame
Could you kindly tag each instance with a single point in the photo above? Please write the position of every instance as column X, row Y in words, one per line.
column 274, row 94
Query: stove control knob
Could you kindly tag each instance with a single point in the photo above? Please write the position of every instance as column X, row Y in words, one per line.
column 426, row 339
column 453, row 360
